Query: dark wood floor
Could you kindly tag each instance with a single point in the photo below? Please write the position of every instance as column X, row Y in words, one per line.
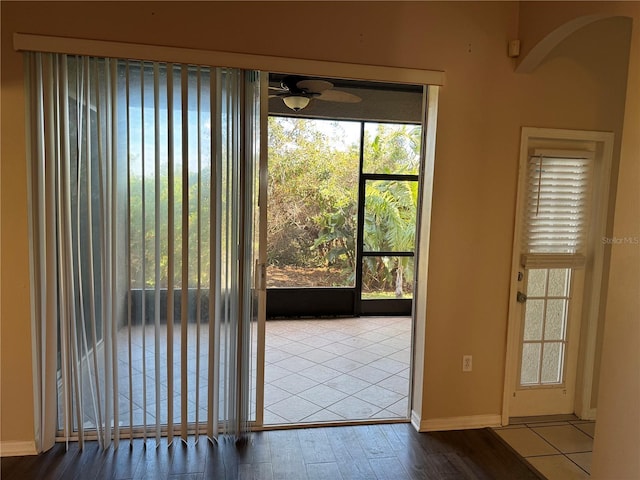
column 384, row 452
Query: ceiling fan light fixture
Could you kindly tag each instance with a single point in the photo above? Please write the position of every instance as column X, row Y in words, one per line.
column 295, row 102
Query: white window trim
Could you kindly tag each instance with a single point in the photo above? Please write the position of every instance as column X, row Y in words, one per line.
column 75, row 46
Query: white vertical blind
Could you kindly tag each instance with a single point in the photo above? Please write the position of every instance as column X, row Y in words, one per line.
column 141, row 212
column 557, row 203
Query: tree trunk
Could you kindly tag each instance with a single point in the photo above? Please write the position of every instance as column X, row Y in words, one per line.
column 399, row 292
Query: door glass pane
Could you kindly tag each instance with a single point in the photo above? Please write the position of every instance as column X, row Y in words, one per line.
column 533, row 320
column 558, row 282
column 530, row 369
column 392, row 148
column 545, row 321
column 536, row 282
column 555, row 321
column 387, row 278
column 552, row 362
column 390, row 215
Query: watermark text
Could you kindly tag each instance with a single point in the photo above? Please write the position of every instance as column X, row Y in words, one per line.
column 627, row 240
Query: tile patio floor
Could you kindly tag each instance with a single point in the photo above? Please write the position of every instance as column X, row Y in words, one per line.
column 316, row 370
column 329, row 370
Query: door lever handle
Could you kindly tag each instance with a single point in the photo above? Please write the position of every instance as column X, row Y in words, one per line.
column 521, row 297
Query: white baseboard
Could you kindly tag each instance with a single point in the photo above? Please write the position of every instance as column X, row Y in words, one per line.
column 589, row 414
column 17, row 449
column 415, row 420
column 460, row 423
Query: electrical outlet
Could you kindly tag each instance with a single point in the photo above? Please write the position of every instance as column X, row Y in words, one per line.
column 467, row 363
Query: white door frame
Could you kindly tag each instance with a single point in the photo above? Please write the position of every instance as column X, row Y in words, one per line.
column 532, row 136
column 423, row 226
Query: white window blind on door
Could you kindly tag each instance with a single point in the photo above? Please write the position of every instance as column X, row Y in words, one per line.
column 557, row 202
column 555, row 233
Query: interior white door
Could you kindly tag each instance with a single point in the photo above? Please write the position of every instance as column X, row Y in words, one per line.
column 555, row 201
column 557, row 270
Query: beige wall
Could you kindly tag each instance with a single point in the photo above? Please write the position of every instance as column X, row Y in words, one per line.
column 617, row 440
column 482, row 107
column 618, row 429
column 16, row 389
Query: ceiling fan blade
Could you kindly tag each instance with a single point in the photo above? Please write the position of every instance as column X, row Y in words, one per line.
column 315, row 86
column 338, row 96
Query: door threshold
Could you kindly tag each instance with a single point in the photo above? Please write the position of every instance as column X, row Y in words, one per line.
column 345, row 423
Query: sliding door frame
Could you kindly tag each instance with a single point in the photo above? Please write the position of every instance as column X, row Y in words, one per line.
column 430, row 79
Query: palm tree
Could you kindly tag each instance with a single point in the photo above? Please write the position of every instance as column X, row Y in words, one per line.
column 391, row 205
column 390, row 214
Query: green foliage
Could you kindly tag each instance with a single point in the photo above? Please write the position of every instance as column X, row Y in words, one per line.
column 389, row 225
column 312, row 214
column 145, row 231
column 310, row 192
column 313, row 181
column 391, row 148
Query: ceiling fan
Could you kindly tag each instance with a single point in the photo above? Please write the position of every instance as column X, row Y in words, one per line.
column 296, row 92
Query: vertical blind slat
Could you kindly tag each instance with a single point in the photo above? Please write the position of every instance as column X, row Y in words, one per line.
column 32, row 151
column 213, row 379
column 64, row 213
column 129, row 257
column 184, row 307
column 198, row 246
column 56, row 192
column 143, row 255
column 101, row 276
column 80, row 164
column 49, row 323
column 87, row 81
column 170, row 248
column 81, row 358
column 156, row 332
column 113, row 420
